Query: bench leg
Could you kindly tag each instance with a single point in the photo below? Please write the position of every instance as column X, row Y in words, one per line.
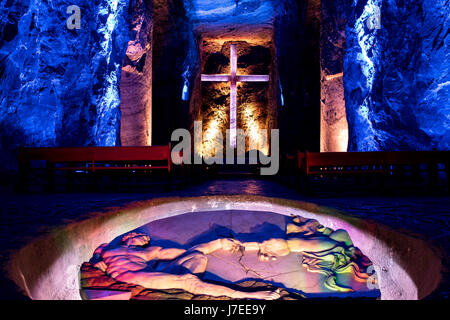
column 433, row 174
column 283, row 175
column 415, row 172
column 287, row 175
column 92, row 181
column 50, row 187
column 447, row 174
column 298, row 180
column 308, row 188
column 304, row 184
column 170, row 181
column 381, row 184
column 24, row 172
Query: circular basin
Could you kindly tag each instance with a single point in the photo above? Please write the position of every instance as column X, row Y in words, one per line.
column 48, row 267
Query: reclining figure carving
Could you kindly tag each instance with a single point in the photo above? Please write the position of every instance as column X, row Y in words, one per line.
column 135, row 261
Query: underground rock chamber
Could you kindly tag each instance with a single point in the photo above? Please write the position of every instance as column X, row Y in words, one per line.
column 366, row 260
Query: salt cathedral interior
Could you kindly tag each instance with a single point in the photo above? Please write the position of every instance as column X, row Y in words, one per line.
column 225, row 150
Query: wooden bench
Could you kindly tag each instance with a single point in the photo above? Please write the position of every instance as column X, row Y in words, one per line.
column 431, row 163
column 94, row 159
column 377, row 164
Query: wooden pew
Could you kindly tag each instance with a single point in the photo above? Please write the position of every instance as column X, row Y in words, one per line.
column 326, row 164
column 418, row 162
column 377, row 164
column 339, row 163
column 94, row 159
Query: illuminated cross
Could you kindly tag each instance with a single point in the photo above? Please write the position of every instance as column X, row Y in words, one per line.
column 233, row 78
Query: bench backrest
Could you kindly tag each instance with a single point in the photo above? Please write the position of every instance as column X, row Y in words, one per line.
column 306, row 160
column 96, row 154
column 416, row 157
column 300, row 158
column 76, row 154
column 132, row 153
column 344, row 158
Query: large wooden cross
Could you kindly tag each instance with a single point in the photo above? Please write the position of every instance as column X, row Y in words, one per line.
column 233, row 78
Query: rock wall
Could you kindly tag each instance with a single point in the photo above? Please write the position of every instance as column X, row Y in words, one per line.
column 396, row 77
column 333, row 120
column 60, row 87
column 136, row 80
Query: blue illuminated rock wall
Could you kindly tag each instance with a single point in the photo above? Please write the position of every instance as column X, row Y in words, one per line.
column 59, row 87
column 397, row 78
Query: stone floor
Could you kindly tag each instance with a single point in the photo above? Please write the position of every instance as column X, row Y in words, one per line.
column 23, row 217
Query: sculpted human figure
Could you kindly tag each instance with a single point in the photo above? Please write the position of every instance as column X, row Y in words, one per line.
column 303, row 235
column 324, row 250
column 132, row 262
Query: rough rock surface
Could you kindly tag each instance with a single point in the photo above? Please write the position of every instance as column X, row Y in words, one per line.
column 333, row 120
column 60, row 86
column 136, row 80
column 396, row 77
